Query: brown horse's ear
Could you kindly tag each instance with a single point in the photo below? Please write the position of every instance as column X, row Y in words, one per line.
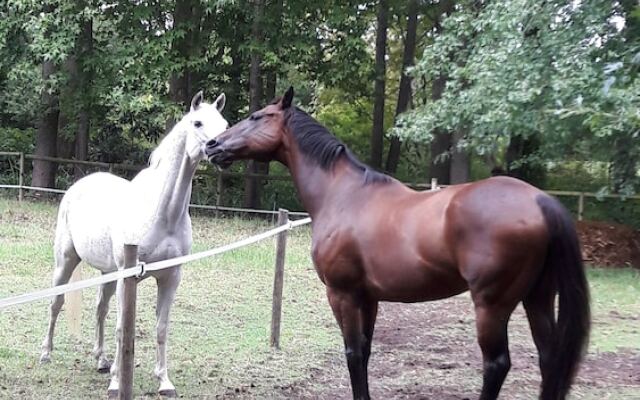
column 287, row 99
column 197, row 99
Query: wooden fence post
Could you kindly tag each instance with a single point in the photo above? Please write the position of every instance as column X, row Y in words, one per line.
column 580, row 206
column 21, row 178
column 125, row 374
column 219, row 191
column 278, row 280
column 434, row 183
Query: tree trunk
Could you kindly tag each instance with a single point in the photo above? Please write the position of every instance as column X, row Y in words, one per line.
column 66, row 141
column 84, row 122
column 519, row 165
column 44, row 172
column 404, row 92
column 460, row 161
column 252, row 186
column 377, row 131
column 186, row 17
column 624, row 163
column 234, row 87
column 440, row 146
column 270, row 84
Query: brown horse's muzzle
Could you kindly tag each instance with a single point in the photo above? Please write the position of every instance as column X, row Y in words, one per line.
column 217, row 155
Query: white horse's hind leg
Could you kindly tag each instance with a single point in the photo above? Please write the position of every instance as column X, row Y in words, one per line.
column 167, row 286
column 66, row 261
column 102, row 308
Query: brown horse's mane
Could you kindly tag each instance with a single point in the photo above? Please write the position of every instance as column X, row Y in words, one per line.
column 315, row 141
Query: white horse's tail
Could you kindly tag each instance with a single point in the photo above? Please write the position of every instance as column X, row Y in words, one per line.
column 73, row 300
column 74, row 306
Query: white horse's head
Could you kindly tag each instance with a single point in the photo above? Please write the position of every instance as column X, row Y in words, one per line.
column 203, row 123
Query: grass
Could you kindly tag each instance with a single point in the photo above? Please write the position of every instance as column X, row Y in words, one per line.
column 615, row 302
column 218, row 342
column 219, row 338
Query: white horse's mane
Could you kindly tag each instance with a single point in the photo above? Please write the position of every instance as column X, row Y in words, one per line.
column 167, row 146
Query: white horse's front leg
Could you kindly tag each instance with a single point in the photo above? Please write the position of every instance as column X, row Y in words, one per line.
column 167, row 286
column 105, row 292
column 114, row 385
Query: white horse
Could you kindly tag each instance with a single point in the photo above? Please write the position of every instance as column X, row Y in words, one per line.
column 101, row 212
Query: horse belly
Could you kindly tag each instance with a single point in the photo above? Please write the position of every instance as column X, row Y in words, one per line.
column 414, row 281
column 94, row 246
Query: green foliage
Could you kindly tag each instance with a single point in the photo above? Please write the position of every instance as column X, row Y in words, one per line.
column 524, row 68
column 558, row 72
column 17, row 140
column 348, row 120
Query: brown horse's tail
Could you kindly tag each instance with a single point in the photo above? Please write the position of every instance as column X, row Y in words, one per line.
column 564, row 261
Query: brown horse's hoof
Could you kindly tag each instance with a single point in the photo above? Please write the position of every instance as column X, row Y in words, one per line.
column 112, row 394
column 171, row 393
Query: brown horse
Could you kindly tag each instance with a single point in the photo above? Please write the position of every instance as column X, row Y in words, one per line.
column 375, row 240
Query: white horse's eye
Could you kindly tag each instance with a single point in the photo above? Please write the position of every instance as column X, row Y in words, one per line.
column 198, row 124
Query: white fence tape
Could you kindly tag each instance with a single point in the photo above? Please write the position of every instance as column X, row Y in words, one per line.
column 143, row 268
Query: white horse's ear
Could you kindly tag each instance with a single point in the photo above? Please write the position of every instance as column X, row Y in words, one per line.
column 220, row 102
column 197, row 99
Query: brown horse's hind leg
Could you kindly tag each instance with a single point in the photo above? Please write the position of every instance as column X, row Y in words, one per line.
column 491, row 324
column 540, row 312
column 369, row 314
column 356, row 317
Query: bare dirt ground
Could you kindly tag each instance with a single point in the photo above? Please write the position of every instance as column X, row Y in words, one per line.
column 609, row 245
column 428, row 351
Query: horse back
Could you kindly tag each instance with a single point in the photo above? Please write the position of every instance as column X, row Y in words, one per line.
column 401, row 245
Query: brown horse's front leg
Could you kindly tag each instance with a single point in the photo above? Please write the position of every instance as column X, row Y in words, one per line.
column 356, row 317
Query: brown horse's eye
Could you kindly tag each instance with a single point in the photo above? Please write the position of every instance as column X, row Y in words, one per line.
column 198, row 124
column 255, row 117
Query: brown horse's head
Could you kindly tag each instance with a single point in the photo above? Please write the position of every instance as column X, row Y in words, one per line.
column 258, row 137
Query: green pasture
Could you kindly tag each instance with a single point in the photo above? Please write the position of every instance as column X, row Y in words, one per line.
column 219, row 338
column 218, row 342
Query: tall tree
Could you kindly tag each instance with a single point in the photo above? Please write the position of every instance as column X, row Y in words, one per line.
column 85, row 46
column 404, row 91
column 460, row 160
column 440, row 166
column 186, row 46
column 377, row 131
column 570, row 82
column 274, row 20
column 252, row 190
column 44, row 172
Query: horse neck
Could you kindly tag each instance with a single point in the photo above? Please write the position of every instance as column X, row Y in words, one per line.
column 322, row 190
column 172, row 175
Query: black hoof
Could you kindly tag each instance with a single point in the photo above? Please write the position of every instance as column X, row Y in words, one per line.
column 104, row 369
column 168, row 393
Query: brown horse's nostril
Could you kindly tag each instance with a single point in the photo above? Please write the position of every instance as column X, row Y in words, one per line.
column 212, row 143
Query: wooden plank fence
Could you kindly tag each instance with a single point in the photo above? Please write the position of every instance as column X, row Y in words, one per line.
column 220, row 175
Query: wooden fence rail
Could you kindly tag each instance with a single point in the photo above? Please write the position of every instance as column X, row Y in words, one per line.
column 220, row 175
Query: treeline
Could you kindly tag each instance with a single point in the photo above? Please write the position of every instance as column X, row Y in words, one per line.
column 104, row 80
